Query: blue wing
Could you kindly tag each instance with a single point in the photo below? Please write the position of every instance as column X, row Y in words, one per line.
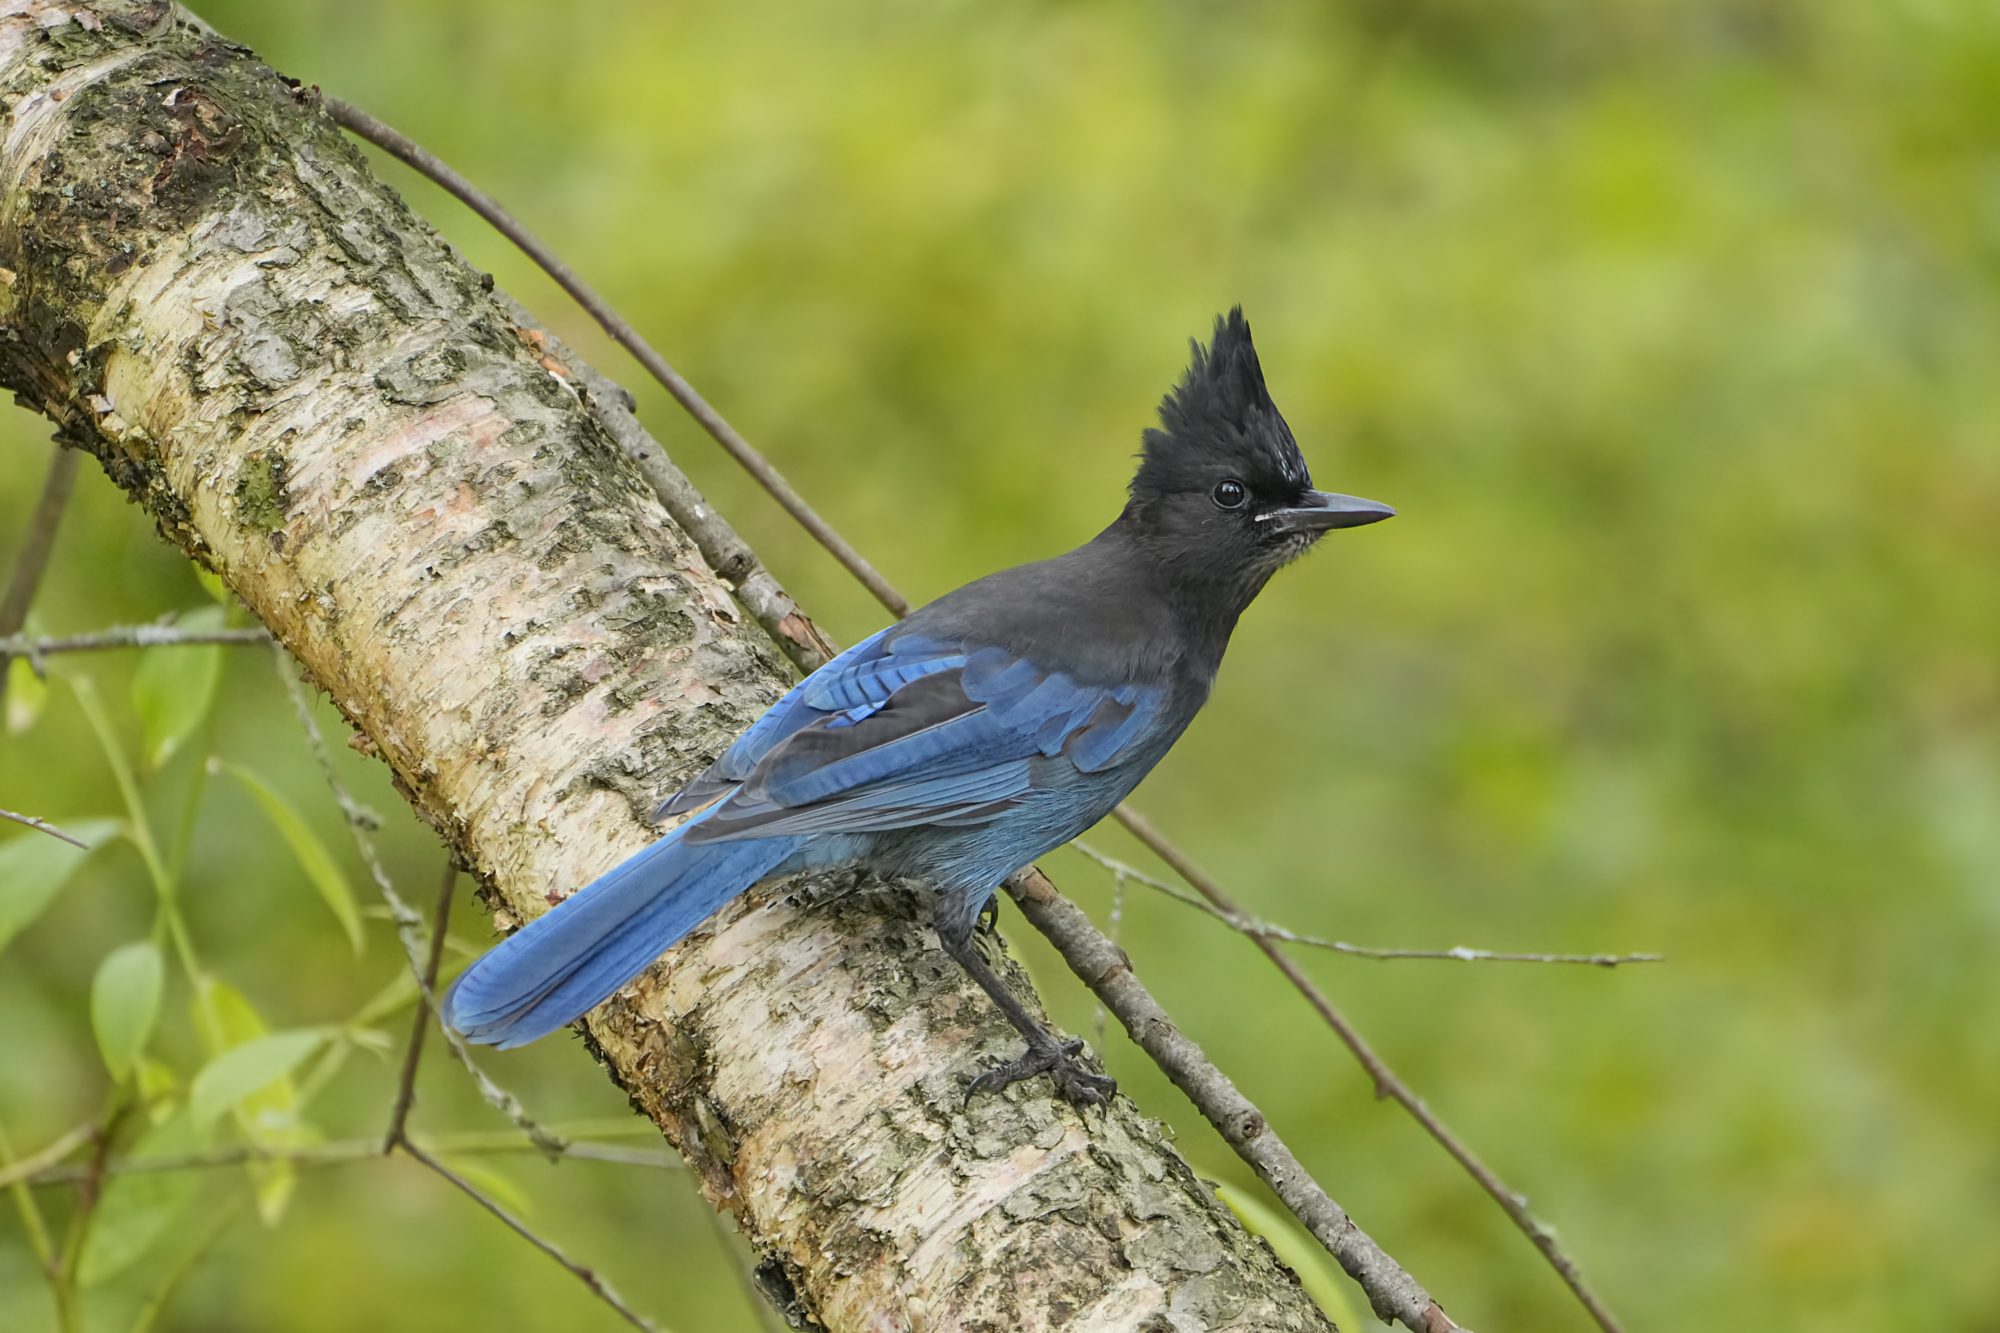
column 853, row 685
column 902, row 730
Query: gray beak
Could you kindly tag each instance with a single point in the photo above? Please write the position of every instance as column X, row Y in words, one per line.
column 1320, row 511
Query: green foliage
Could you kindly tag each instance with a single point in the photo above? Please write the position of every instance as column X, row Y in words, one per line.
column 34, row 867
column 249, row 1074
column 232, row 1079
column 174, row 688
column 125, row 1003
column 25, row 696
column 320, row 868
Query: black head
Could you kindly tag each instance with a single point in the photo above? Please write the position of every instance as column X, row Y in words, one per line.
column 1221, row 485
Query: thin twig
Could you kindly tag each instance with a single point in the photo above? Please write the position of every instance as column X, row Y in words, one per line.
column 32, row 1166
column 36, row 1228
column 338, row 1153
column 414, row 155
column 33, row 560
column 1260, row 929
column 46, row 827
column 588, row 1276
column 124, row 636
column 1387, row 1084
column 409, row 926
column 1113, row 927
column 406, row 1084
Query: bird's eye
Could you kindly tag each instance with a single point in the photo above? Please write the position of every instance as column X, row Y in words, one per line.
column 1230, row 493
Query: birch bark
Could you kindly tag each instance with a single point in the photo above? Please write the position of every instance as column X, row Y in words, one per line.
column 206, row 288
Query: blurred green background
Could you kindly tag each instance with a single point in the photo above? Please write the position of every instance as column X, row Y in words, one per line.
column 1669, row 326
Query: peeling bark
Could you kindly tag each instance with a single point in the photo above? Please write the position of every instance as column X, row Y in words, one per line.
column 208, row 290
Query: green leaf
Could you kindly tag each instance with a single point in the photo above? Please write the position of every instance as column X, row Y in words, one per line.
column 173, row 688
column 267, row 1116
column 125, row 1003
column 157, row 1086
column 224, row 1016
column 1318, row 1273
column 308, row 851
column 238, row 1074
column 26, row 693
column 34, row 867
column 139, row 1207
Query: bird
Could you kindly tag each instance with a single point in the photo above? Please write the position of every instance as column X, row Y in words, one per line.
column 980, row 732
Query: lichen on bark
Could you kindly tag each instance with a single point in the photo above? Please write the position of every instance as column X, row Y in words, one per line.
column 310, row 393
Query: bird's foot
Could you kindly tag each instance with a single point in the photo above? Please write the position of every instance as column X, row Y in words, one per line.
column 1062, row 1062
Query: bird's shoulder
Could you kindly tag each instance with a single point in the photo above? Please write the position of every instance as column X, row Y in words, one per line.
column 1089, row 617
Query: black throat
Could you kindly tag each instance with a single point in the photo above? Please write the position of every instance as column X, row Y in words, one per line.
column 1202, row 596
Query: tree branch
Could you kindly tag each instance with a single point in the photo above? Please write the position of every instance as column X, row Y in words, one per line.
column 1264, row 930
column 33, row 558
column 125, row 636
column 44, row 826
column 406, row 1083
column 588, row 1276
column 46, row 1168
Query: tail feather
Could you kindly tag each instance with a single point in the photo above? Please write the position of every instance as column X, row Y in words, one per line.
column 572, row 958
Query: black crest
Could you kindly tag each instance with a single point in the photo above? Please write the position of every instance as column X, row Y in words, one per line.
column 1220, row 420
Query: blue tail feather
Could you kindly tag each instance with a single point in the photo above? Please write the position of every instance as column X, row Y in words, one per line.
column 572, row 958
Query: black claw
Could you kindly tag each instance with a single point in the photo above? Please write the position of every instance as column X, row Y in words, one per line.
column 1078, row 1084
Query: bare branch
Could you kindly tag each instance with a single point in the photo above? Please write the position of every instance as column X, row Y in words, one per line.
column 48, row 1170
column 46, row 827
column 33, row 559
column 1387, row 1084
column 124, row 636
column 1256, row 928
column 406, row 1084
column 31, row 1167
column 588, row 1276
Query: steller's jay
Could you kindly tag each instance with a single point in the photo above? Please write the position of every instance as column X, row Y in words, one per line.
column 989, row 727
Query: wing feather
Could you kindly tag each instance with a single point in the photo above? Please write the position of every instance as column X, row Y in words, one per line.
column 896, row 733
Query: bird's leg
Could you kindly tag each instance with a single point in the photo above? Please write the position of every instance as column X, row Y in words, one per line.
column 1045, row 1055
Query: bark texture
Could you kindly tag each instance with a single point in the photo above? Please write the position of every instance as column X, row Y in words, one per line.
column 207, row 289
